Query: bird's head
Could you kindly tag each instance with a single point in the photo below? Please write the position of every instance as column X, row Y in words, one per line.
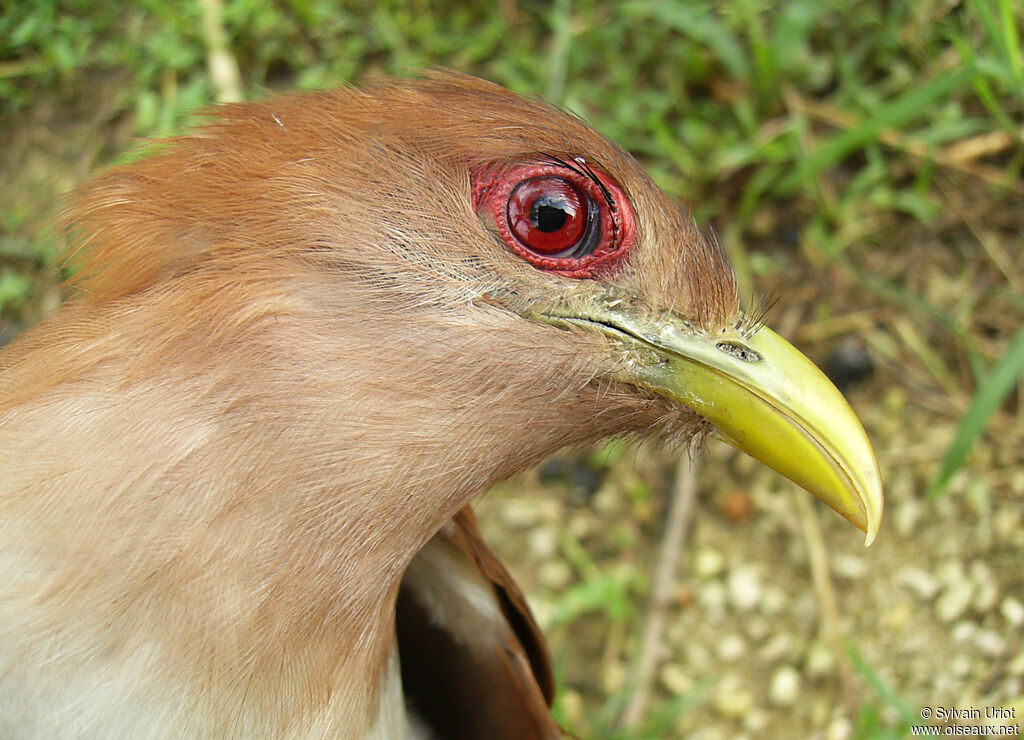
column 455, row 199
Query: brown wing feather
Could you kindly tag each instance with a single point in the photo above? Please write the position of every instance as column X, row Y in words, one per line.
column 474, row 664
column 466, row 534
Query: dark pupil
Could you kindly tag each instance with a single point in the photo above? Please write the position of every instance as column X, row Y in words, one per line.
column 548, row 214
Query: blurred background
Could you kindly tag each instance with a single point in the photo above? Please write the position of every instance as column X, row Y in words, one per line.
column 861, row 162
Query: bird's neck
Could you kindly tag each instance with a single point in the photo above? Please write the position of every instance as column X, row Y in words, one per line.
column 254, row 500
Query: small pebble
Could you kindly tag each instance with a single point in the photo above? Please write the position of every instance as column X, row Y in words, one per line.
column 986, row 591
column 736, row 505
column 756, row 721
column 613, row 677
column 819, row 708
column 675, row 680
column 785, row 686
column 756, row 628
column 708, row 562
column 543, row 611
column 582, row 525
column 990, row 643
column 963, row 631
column 986, row 594
column 1008, row 522
column 732, row 698
column 954, row 600
column 607, row 501
column 850, row 567
column 555, row 574
column 1012, row 611
column 732, row 647
column 840, row 728
column 908, row 517
column 543, row 542
column 712, row 597
column 571, row 704
column 820, row 660
column 848, row 364
column 776, row 648
column 519, row 514
column 744, row 588
column 921, row 583
column 899, row 615
column 774, row 600
column 804, row 608
column 890, row 714
column 679, row 633
column 698, row 654
column 714, row 732
column 960, row 665
column 950, row 571
column 1015, row 687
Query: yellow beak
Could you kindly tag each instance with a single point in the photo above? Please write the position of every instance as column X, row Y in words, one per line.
column 762, row 395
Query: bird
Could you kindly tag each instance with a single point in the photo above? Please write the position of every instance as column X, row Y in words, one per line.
column 236, row 464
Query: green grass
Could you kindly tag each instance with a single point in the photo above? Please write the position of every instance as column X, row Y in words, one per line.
column 991, row 392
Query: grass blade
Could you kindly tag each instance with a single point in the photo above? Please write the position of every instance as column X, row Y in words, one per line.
column 892, row 115
column 879, row 685
column 700, row 23
column 989, row 395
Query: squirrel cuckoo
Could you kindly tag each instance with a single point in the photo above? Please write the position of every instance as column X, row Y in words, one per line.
column 235, row 465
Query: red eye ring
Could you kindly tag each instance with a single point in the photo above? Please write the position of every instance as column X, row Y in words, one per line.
column 565, row 217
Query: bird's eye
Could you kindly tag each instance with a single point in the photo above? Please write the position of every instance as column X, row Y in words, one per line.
column 550, row 215
column 561, row 216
